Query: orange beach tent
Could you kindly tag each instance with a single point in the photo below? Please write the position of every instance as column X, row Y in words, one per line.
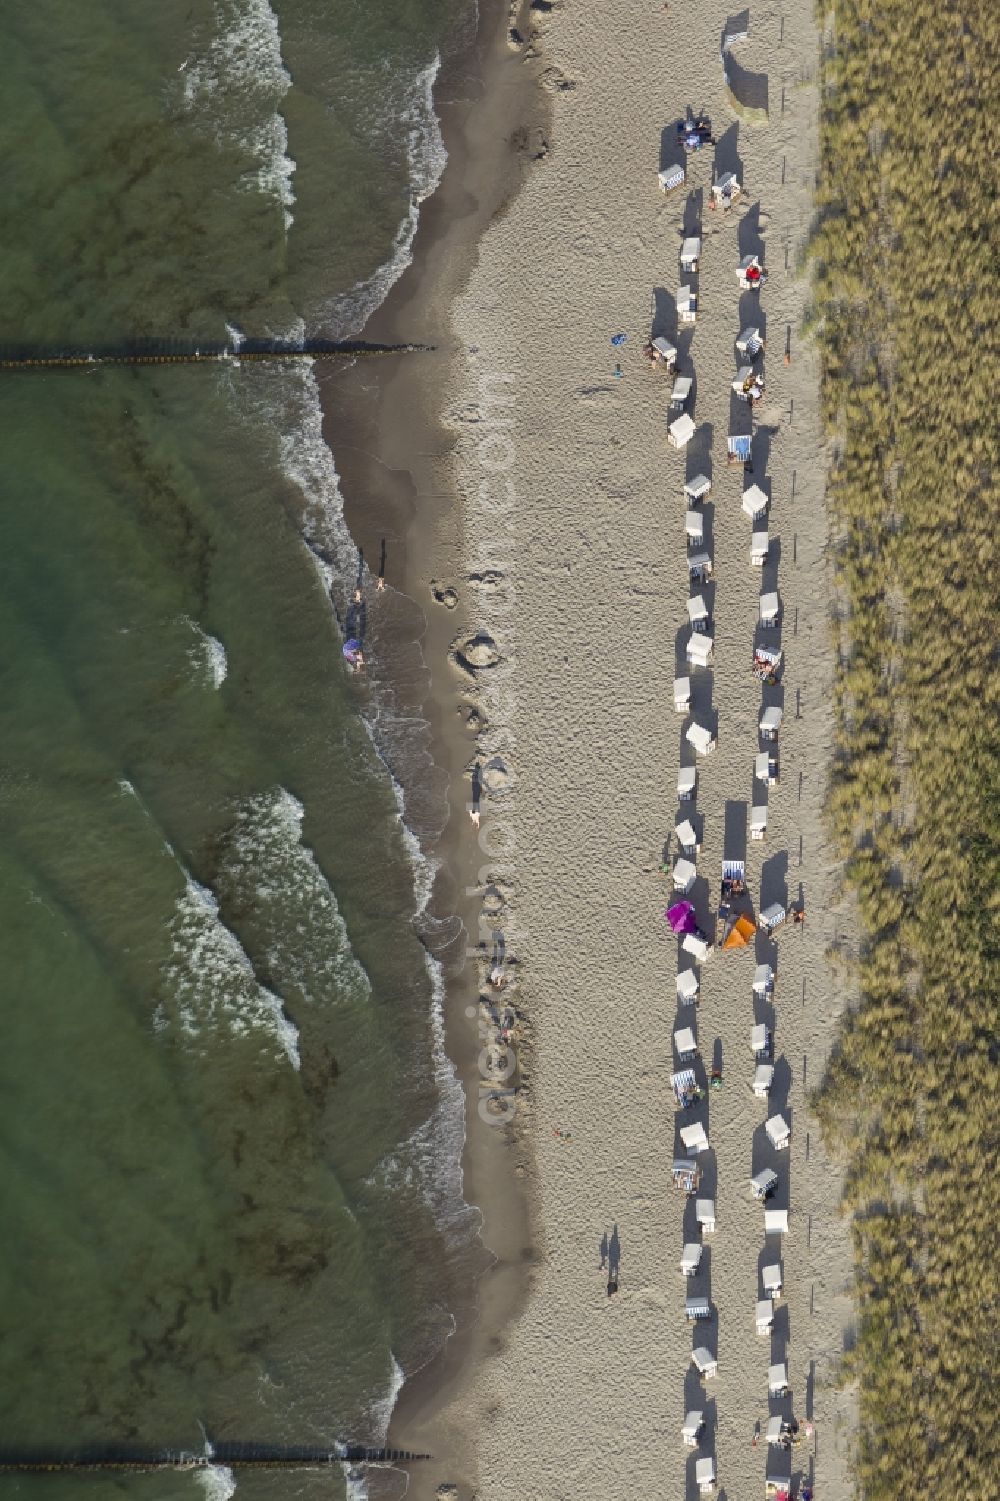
column 739, row 934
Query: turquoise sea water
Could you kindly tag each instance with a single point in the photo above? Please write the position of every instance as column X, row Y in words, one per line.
column 222, row 1129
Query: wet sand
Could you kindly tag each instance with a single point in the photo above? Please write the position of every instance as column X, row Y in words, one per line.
column 383, row 421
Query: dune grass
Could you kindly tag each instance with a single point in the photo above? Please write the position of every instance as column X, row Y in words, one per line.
column 906, row 272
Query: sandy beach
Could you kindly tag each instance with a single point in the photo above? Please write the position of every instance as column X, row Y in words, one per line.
column 553, row 506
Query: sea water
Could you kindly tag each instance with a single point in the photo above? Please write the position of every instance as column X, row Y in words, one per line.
column 229, row 1135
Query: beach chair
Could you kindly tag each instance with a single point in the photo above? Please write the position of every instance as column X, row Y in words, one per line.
column 699, row 649
column 763, row 1078
column 770, row 610
column 691, row 254
column 691, row 1257
column 686, row 304
column 702, row 740
column 775, row 1221
column 754, row 502
column 770, row 723
column 687, row 987
column 686, row 1045
column 760, row 1043
column 704, row 1213
column 765, row 769
column 763, row 981
column 698, row 613
column 671, row 177
column 700, row 566
column 691, row 1429
column 681, row 431
column 770, row 1278
column 763, row 1184
column 704, row 1474
column 681, row 392
column 693, row 1138
column 687, row 837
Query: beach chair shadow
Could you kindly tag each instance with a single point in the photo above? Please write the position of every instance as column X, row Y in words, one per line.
column 708, row 513
column 774, row 880
column 781, row 1330
column 681, row 668
column 664, row 320
column 734, row 839
column 772, row 564
column 702, row 685
column 749, row 237
column 694, row 212
column 762, row 439
column 781, row 1087
column 727, row 157
column 698, row 454
column 701, row 896
column 671, row 150
column 764, row 1012
column 740, row 415
column 750, row 311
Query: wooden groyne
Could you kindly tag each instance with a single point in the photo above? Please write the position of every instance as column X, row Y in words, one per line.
column 180, row 352
column 234, row 1456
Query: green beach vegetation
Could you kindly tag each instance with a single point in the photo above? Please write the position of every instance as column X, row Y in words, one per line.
column 905, row 272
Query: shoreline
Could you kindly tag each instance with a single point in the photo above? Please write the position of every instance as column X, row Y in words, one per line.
column 392, row 449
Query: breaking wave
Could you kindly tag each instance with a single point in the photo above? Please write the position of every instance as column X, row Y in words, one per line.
column 237, row 85
column 212, row 982
column 413, row 114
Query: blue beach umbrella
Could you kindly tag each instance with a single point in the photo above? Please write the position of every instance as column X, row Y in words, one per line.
column 618, row 339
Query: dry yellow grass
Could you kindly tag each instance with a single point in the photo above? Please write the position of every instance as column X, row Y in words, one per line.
column 905, row 290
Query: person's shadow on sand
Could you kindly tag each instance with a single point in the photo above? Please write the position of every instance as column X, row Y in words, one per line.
column 614, row 1261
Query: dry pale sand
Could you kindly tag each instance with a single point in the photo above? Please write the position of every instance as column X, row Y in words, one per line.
column 582, row 512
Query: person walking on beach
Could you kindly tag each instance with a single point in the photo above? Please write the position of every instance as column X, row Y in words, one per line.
column 477, row 792
column 380, row 581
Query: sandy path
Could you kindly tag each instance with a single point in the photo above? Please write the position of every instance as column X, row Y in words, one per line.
column 587, row 1389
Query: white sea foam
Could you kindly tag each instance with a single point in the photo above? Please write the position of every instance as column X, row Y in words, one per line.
column 267, row 861
column 438, row 1144
column 238, row 84
column 426, row 156
column 217, row 1482
column 212, row 980
column 207, row 655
